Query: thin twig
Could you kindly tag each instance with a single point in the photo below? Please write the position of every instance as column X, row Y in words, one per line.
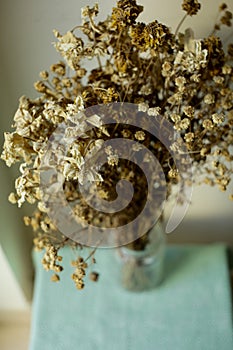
column 180, row 24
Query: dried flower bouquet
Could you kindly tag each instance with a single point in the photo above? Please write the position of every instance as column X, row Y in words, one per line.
column 186, row 81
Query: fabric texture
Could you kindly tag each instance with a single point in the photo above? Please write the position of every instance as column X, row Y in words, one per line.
column 191, row 310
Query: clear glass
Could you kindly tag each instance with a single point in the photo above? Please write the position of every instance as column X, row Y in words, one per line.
column 143, row 269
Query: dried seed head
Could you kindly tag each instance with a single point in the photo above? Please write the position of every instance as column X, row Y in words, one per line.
column 94, row 276
column 191, row 7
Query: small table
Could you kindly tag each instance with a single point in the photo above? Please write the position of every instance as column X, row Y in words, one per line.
column 191, row 310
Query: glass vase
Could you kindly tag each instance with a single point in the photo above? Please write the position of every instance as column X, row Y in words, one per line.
column 141, row 270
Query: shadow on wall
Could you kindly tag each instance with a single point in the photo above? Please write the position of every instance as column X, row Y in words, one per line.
column 203, row 231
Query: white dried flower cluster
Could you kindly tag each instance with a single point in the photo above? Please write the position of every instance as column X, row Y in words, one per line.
column 70, row 48
column 192, row 61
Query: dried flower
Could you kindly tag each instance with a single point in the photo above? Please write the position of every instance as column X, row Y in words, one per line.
column 189, row 111
column 218, row 118
column 113, row 160
column 125, row 13
column 140, row 135
column 207, row 124
column 153, row 35
column 209, row 99
column 191, row 7
column 189, row 137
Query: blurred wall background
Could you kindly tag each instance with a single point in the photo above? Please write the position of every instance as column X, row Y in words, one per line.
column 26, row 48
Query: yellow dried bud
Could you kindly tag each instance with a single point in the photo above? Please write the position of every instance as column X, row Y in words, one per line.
column 44, row 75
column 207, row 124
column 140, row 135
column 55, row 278
column 12, row 198
column 40, row 86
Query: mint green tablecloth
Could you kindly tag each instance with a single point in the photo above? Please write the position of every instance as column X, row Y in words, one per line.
column 190, row 311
